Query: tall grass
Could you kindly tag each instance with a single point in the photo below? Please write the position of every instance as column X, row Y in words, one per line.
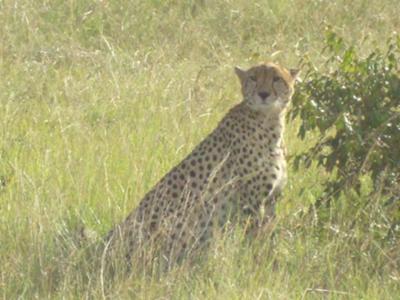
column 99, row 99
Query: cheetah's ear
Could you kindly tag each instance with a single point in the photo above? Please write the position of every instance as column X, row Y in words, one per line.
column 295, row 74
column 240, row 73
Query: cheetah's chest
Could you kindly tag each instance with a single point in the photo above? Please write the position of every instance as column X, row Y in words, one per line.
column 268, row 154
column 273, row 165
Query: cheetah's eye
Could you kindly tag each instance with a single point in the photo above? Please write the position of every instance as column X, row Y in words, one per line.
column 276, row 78
column 253, row 78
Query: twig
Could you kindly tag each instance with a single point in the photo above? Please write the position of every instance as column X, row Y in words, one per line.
column 323, row 291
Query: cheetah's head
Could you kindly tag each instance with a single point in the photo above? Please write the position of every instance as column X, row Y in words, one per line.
column 267, row 87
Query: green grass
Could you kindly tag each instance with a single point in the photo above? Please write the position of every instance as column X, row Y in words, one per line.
column 99, row 99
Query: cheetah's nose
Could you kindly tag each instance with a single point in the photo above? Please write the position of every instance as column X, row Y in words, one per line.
column 263, row 95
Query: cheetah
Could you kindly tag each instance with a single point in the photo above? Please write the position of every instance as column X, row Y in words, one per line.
column 237, row 170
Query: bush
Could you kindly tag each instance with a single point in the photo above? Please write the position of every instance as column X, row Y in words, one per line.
column 355, row 106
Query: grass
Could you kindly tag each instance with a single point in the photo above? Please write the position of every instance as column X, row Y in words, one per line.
column 99, row 99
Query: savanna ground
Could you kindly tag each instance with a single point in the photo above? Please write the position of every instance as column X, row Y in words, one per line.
column 99, row 99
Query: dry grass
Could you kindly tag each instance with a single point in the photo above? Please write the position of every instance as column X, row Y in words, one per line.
column 98, row 99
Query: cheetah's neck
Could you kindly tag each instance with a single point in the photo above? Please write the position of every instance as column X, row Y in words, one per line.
column 267, row 125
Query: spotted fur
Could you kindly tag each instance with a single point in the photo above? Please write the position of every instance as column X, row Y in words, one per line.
column 235, row 171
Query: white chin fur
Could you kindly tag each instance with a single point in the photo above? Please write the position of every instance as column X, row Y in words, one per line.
column 274, row 105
